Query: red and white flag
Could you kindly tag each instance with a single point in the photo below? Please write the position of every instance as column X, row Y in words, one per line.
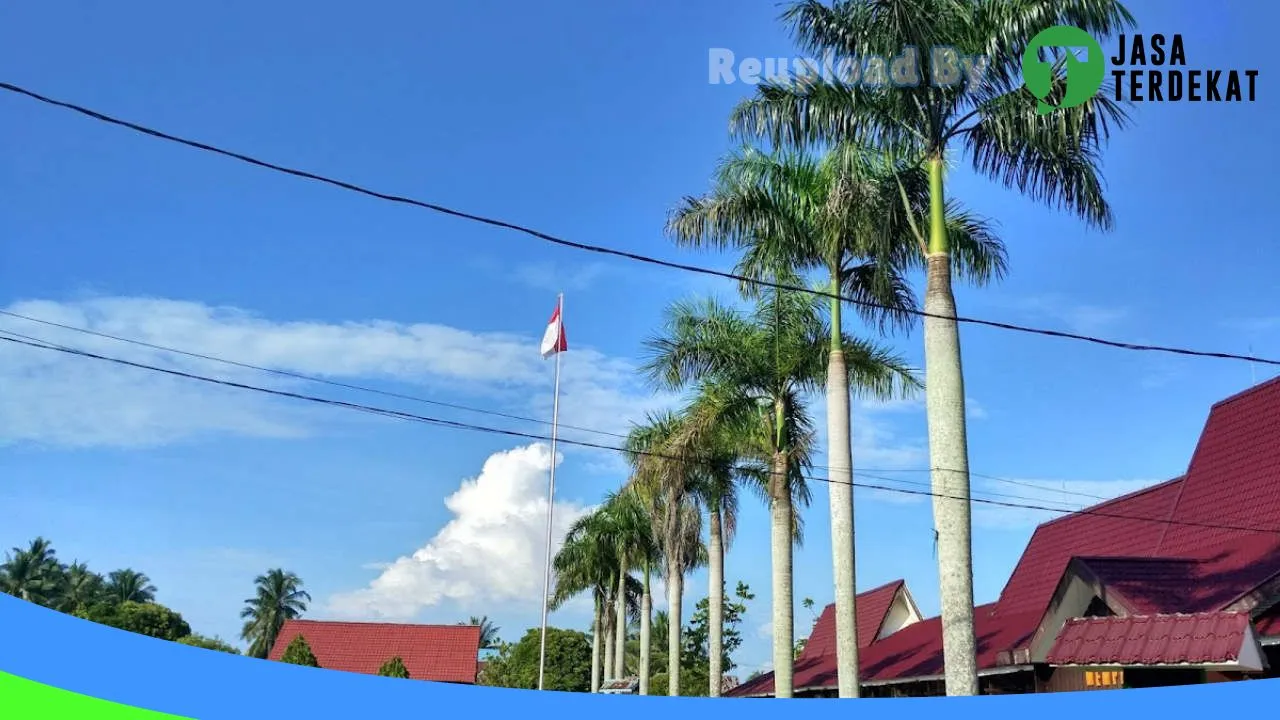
column 553, row 339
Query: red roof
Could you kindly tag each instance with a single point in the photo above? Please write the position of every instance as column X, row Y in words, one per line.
column 872, row 607
column 445, row 653
column 1203, row 638
column 816, row 664
column 1203, row 540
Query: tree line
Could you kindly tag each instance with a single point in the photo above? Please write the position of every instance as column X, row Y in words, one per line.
column 126, row 599
column 571, row 654
column 838, row 188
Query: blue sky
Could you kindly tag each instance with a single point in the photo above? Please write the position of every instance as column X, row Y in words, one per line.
column 587, row 120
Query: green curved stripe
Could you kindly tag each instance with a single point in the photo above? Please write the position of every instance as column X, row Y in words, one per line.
column 21, row 698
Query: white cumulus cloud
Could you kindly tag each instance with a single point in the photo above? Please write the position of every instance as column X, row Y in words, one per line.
column 492, row 551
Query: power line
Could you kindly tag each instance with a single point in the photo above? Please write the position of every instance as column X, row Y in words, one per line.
column 362, row 388
column 294, row 375
column 352, row 187
column 35, row 343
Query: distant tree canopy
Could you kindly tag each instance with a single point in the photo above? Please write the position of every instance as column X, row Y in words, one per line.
column 144, row 618
column 394, row 668
column 299, row 653
column 208, row 643
column 568, row 666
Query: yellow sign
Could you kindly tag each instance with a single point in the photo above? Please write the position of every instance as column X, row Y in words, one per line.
column 1103, row 678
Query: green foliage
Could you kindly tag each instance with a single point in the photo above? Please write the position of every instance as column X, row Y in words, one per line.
column 150, row 619
column 299, row 653
column 489, row 639
column 697, row 636
column 568, row 665
column 279, row 597
column 207, row 643
column 129, row 585
column 394, row 668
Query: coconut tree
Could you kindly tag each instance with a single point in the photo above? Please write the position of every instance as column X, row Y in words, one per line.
column 81, row 587
column 991, row 122
column 129, row 585
column 488, row 631
column 32, row 574
column 753, row 371
column 841, row 214
column 279, row 597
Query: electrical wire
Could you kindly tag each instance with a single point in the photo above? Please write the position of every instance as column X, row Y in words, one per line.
column 352, row 187
column 455, row 406
column 15, row 338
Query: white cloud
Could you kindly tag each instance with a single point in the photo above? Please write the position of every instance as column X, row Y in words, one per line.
column 765, row 630
column 1066, row 494
column 1076, row 317
column 492, row 551
column 64, row 400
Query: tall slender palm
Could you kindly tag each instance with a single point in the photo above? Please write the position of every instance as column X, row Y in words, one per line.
column 839, row 213
column 588, row 561
column 753, row 371
column 1053, row 158
column 31, row 574
column 665, row 481
column 129, row 585
column 279, row 597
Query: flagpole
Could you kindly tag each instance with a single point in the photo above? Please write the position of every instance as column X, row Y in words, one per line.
column 551, row 501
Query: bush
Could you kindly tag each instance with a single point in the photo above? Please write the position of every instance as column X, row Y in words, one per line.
column 299, row 653
column 201, row 641
column 394, row 668
column 150, row 619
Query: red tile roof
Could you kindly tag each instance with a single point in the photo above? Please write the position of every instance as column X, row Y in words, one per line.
column 1201, row 524
column 446, row 653
column 872, row 607
column 1202, row 638
column 816, row 664
column 1145, row 585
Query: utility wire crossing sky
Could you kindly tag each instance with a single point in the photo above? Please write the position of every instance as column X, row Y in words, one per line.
column 609, row 251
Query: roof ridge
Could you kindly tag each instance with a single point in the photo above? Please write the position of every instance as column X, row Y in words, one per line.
column 1127, row 496
column 885, row 586
column 1142, row 558
column 370, row 623
column 1244, row 393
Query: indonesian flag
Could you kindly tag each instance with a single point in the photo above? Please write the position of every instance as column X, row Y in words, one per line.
column 553, row 339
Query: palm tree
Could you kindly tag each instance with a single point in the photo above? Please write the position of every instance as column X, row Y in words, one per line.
column 488, row 631
column 636, row 549
column 279, row 597
column 32, row 574
column 82, row 587
column 841, row 214
column 1052, row 158
column 665, row 481
column 588, row 560
column 752, row 372
column 129, row 585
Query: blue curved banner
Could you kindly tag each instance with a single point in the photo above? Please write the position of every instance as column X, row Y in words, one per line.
column 43, row 652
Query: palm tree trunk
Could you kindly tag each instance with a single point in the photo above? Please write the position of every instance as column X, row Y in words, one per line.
column 597, row 629
column 646, row 621
column 715, row 599
column 620, row 652
column 780, row 544
column 607, row 645
column 840, row 492
column 675, row 589
column 948, row 452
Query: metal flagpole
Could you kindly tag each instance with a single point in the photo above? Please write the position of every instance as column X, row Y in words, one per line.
column 551, row 496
